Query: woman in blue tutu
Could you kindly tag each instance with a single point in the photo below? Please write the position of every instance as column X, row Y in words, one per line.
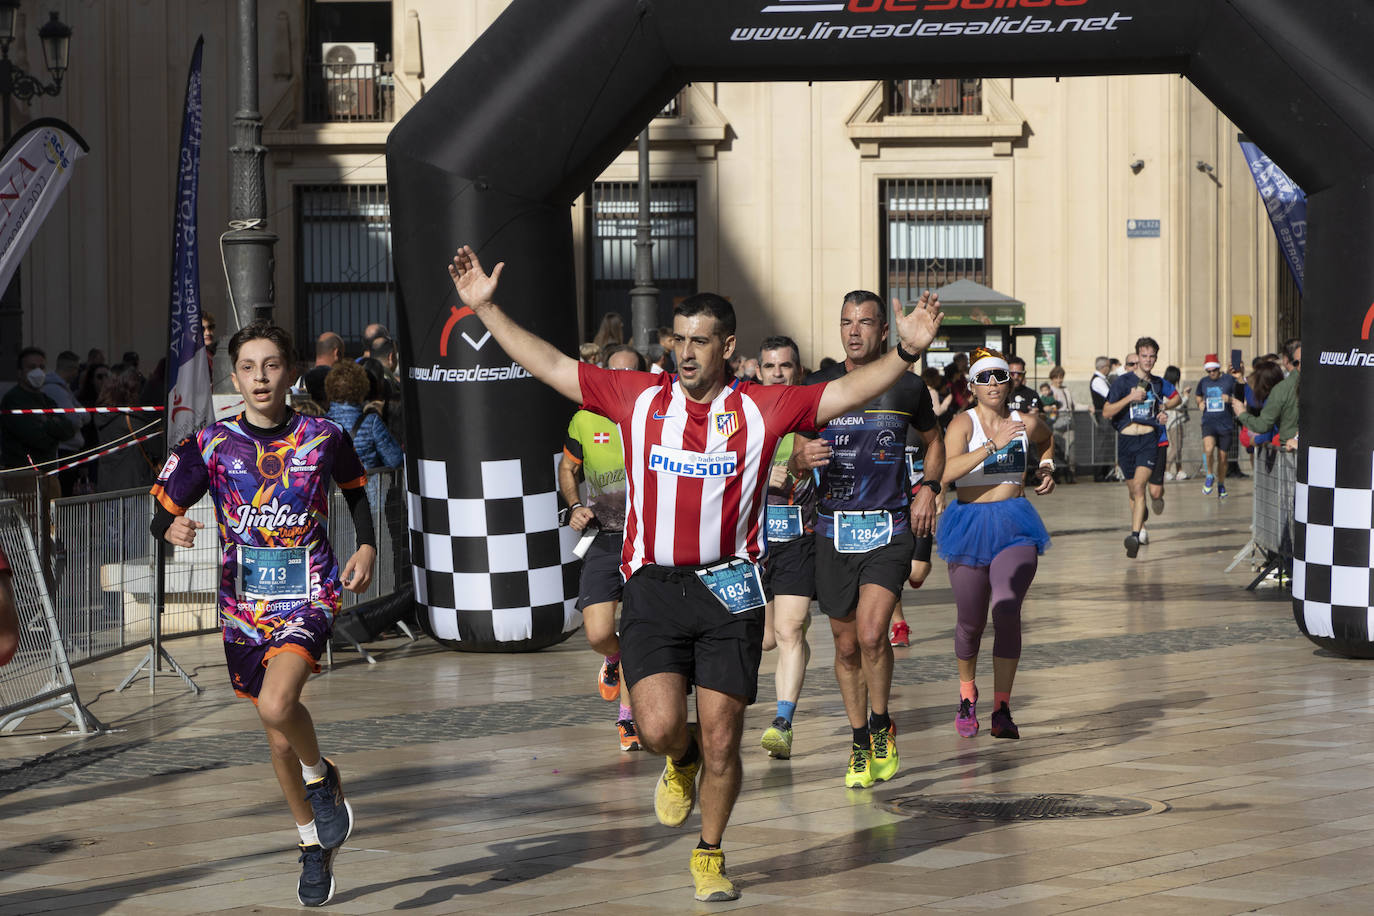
column 992, row 536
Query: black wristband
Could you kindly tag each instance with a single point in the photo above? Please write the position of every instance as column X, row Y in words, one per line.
column 908, row 357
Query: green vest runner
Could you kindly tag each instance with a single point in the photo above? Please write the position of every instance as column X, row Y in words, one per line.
column 594, row 442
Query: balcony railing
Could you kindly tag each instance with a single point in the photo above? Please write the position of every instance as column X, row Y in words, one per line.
column 674, row 107
column 935, row 97
column 352, row 92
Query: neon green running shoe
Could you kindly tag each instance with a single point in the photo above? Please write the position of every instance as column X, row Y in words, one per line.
column 777, row 739
column 859, row 773
column 885, row 759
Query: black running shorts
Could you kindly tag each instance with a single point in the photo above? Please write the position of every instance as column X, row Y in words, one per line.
column 601, row 580
column 670, row 622
column 1161, row 459
column 1136, row 452
column 790, row 568
column 840, row 575
column 1224, row 433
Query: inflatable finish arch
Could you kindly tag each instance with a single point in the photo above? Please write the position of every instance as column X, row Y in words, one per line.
column 495, row 153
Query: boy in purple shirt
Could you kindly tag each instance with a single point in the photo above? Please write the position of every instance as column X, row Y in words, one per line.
column 268, row 472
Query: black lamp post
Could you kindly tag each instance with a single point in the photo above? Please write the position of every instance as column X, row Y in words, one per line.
column 56, row 38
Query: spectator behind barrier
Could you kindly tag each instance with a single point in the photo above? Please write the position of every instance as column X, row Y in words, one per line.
column 328, row 351
column 132, row 466
column 1279, row 399
column 346, row 386
column 1177, row 423
column 610, row 334
column 31, row 439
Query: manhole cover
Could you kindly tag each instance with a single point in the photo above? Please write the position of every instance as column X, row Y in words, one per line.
column 1013, row 806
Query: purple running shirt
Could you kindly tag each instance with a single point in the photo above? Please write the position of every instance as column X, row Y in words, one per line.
column 271, row 497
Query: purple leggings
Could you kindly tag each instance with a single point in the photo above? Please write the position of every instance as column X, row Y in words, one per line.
column 1001, row 586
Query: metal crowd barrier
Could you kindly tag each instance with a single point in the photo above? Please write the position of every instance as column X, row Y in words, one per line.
column 103, row 564
column 386, row 495
column 39, row 677
column 1276, row 483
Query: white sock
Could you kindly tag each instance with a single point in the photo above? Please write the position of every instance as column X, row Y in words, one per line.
column 308, row 835
column 312, row 773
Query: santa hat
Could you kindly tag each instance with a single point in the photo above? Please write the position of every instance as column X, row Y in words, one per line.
column 1211, row 362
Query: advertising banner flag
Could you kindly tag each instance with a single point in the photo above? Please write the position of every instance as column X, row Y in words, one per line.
column 34, row 168
column 1287, row 206
column 189, row 405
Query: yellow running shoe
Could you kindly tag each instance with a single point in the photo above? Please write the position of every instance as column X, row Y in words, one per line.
column 676, row 792
column 885, row 758
column 859, row 774
column 708, row 874
column 777, row 739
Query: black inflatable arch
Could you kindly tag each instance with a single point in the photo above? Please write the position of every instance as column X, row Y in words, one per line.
column 498, row 149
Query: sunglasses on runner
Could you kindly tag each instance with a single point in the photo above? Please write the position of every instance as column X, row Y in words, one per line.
column 992, row 377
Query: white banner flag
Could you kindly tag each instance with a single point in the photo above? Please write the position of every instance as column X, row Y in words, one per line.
column 34, row 169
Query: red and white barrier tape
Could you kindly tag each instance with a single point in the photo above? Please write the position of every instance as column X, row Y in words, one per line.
column 85, row 410
column 86, row 459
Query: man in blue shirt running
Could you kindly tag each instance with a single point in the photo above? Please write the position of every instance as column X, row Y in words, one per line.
column 1135, row 406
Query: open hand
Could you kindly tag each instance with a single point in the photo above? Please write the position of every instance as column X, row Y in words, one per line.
column 918, row 328
column 475, row 287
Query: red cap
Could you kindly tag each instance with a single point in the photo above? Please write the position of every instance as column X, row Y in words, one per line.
column 1211, row 362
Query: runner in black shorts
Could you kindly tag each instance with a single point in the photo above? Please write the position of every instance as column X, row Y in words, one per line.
column 694, row 531
column 864, row 531
column 1214, row 394
column 1135, row 405
column 789, row 572
column 592, row 453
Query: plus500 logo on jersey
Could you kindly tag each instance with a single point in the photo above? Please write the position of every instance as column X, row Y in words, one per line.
column 681, row 463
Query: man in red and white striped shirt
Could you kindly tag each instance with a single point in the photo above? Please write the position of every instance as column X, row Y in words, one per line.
column 698, row 448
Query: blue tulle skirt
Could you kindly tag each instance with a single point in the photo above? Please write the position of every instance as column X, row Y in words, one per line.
column 971, row 534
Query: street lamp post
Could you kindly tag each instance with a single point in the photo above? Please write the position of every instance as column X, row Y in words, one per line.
column 56, row 37
column 248, row 245
column 644, row 296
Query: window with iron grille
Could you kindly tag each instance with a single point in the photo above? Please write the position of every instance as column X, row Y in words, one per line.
column 348, row 69
column 344, row 273
column 612, row 219
column 933, row 232
column 935, row 97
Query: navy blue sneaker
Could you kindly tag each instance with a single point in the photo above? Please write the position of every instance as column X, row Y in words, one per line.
column 333, row 813
column 316, row 887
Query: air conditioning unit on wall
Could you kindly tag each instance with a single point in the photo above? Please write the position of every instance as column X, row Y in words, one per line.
column 350, row 79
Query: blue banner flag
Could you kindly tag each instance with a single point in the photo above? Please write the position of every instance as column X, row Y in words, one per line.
column 1287, row 206
column 189, row 405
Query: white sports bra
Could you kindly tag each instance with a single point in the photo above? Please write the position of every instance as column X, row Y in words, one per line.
column 1007, row 465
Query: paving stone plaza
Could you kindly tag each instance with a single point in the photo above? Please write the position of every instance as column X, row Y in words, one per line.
column 493, row 783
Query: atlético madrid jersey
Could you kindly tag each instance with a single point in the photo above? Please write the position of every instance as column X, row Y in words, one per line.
column 271, row 496
column 697, row 473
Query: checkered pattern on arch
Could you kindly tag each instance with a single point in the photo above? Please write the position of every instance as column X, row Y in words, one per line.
column 490, row 561
column 1333, row 553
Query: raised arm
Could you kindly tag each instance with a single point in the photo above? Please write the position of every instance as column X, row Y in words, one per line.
column 915, row 331
column 539, row 357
